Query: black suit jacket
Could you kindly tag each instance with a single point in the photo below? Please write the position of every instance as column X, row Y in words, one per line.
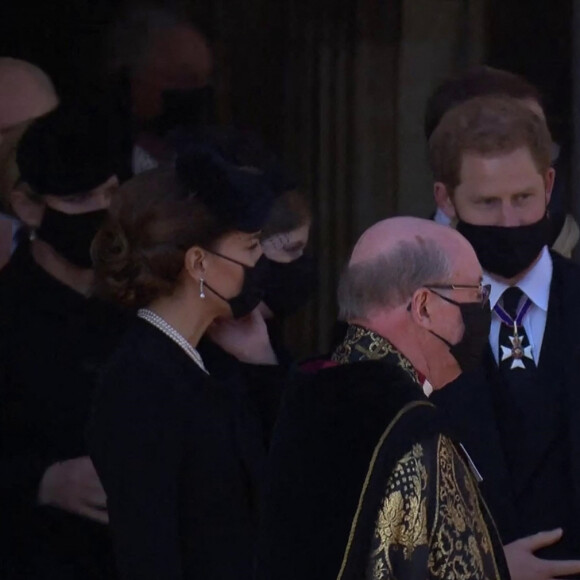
column 540, row 490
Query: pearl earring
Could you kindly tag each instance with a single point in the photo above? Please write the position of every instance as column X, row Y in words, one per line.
column 201, row 291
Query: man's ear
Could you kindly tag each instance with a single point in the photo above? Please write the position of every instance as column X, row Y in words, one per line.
column 419, row 307
column 194, row 263
column 443, row 199
column 549, row 180
column 26, row 209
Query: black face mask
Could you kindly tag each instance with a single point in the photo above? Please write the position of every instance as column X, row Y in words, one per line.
column 71, row 235
column 252, row 291
column 506, row 251
column 289, row 285
column 187, row 109
column 468, row 351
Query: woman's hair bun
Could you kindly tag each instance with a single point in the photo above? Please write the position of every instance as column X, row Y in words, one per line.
column 138, row 253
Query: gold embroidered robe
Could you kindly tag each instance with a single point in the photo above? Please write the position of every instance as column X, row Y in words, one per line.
column 431, row 522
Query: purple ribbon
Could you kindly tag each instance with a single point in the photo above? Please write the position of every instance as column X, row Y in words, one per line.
column 507, row 319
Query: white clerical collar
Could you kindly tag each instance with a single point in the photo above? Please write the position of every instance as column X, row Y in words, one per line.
column 427, row 388
column 535, row 284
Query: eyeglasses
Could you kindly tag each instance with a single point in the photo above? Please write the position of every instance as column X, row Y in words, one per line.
column 484, row 290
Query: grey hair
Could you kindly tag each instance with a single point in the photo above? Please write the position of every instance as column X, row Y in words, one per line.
column 390, row 279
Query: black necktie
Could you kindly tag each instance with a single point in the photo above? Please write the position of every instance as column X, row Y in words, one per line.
column 514, row 349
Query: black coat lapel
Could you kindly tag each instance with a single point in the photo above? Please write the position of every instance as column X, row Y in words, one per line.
column 542, row 403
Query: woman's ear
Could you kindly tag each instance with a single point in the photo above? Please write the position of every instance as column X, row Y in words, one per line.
column 28, row 210
column 194, row 262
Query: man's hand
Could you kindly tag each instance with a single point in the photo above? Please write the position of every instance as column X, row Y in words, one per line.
column 247, row 338
column 524, row 565
column 74, row 486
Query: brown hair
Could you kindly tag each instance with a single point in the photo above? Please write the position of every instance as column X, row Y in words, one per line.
column 486, row 126
column 289, row 211
column 479, row 81
column 138, row 255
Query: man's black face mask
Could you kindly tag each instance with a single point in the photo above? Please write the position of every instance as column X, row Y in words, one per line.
column 468, row 352
column 507, row 251
column 185, row 109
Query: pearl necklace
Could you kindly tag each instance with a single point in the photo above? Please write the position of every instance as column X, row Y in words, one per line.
column 170, row 332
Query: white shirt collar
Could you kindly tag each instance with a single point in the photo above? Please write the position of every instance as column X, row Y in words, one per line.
column 441, row 217
column 535, row 284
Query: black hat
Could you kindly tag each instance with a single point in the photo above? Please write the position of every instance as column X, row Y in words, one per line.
column 67, row 152
column 240, row 197
column 238, row 147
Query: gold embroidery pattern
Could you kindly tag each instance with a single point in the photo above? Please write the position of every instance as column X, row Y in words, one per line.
column 431, row 521
column 402, row 521
column 361, row 344
column 460, row 546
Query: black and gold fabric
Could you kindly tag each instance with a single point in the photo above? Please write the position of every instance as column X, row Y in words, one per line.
column 431, row 522
column 365, row 481
column 361, row 344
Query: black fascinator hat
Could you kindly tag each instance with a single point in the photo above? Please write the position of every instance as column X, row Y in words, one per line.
column 240, row 148
column 241, row 197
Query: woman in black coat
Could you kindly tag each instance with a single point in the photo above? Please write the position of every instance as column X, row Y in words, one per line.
column 180, row 455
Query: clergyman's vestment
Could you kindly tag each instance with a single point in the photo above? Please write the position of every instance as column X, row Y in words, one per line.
column 365, row 480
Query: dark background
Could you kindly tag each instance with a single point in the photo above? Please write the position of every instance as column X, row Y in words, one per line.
column 268, row 52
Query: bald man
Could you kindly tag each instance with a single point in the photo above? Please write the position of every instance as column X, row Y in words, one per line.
column 365, row 480
column 26, row 93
